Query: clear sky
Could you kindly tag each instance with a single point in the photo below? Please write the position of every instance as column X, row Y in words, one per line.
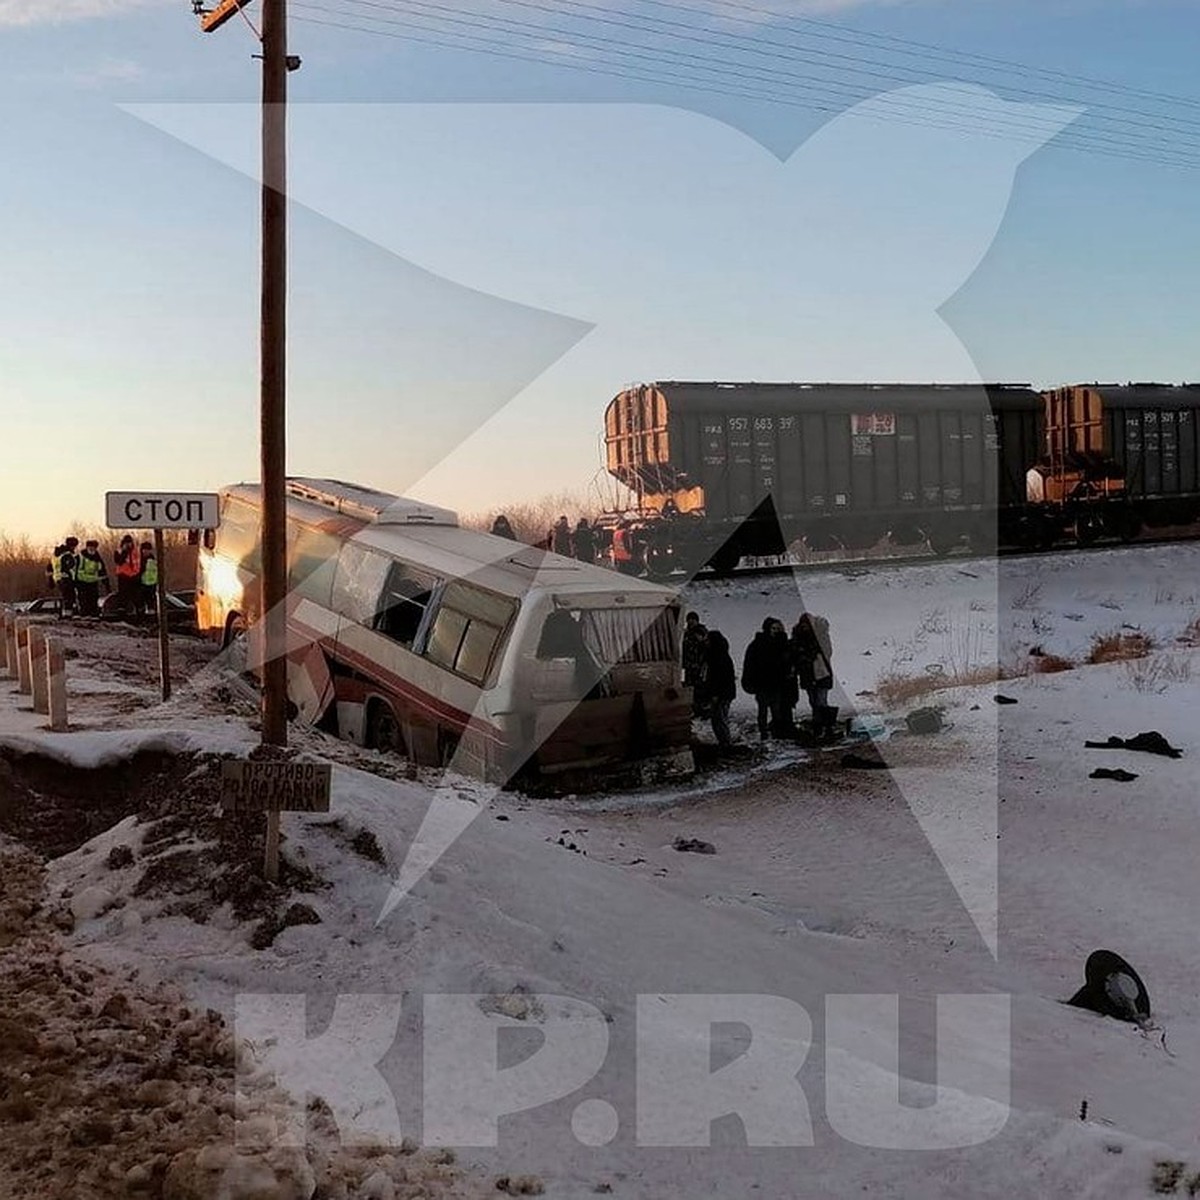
column 486, row 246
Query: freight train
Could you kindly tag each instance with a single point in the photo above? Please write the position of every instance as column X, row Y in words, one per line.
column 724, row 470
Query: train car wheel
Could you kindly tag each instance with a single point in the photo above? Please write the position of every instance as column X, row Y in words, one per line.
column 1128, row 525
column 943, row 541
column 1087, row 528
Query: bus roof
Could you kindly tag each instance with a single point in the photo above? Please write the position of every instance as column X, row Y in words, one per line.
column 451, row 552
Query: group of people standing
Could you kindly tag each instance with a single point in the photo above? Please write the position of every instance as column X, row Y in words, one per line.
column 775, row 668
column 79, row 575
column 580, row 542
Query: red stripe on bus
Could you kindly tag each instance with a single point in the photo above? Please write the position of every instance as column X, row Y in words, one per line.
column 404, row 690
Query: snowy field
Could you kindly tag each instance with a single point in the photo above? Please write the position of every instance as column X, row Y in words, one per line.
column 985, row 862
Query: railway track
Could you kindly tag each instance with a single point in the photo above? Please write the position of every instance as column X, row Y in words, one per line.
column 926, row 558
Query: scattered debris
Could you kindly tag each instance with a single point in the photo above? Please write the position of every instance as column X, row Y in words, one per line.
column 1168, row 1176
column 693, row 846
column 1112, row 988
column 925, row 720
column 1113, row 773
column 520, row 1185
column 1151, row 743
column 858, row 762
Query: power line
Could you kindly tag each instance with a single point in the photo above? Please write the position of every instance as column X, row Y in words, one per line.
column 903, row 106
column 763, row 47
column 447, row 15
column 836, row 31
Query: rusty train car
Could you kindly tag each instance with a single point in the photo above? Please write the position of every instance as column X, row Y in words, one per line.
column 724, row 470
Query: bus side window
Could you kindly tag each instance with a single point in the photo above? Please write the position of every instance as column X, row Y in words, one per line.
column 467, row 629
column 406, row 596
column 561, row 637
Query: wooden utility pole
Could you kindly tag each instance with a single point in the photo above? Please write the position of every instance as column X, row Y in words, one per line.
column 274, row 371
column 160, row 606
column 273, row 357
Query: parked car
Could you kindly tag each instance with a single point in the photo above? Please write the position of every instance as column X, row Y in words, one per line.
column 180, row 614
column 46, row 606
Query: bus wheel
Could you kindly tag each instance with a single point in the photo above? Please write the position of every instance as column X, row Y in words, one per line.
column 447, row 748
column 383, row 730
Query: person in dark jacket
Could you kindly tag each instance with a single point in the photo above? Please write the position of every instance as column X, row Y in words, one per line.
column 560, row 537
column 502, row 528
column 695, row 660
column 768, row 676
column 812, row 658
column 64, row 564
column 583, row 541
column 90, row 573
column 720, row 684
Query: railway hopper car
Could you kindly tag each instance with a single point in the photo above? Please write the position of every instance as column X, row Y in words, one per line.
column 408, row 633
column 748, row 468
column 1148, row 433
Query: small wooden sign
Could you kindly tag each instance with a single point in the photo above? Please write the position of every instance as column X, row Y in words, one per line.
column 275, row 786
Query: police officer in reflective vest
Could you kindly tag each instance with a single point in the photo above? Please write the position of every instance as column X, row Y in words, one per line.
column 90, row 573
column 62, row 567
column 149, row 577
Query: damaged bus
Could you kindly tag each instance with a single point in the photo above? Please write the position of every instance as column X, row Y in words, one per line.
column 408, row 633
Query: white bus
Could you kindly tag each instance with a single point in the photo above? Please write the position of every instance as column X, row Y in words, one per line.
column 408, row 633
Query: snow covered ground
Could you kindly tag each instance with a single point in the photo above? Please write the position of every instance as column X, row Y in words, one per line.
column 984, row 862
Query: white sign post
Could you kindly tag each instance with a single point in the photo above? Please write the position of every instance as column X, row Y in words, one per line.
column 159, row 511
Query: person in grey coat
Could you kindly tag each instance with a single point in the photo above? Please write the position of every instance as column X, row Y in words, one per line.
column 812, row 657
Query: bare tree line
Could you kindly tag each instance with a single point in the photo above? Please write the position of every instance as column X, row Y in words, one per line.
column 532, row 520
